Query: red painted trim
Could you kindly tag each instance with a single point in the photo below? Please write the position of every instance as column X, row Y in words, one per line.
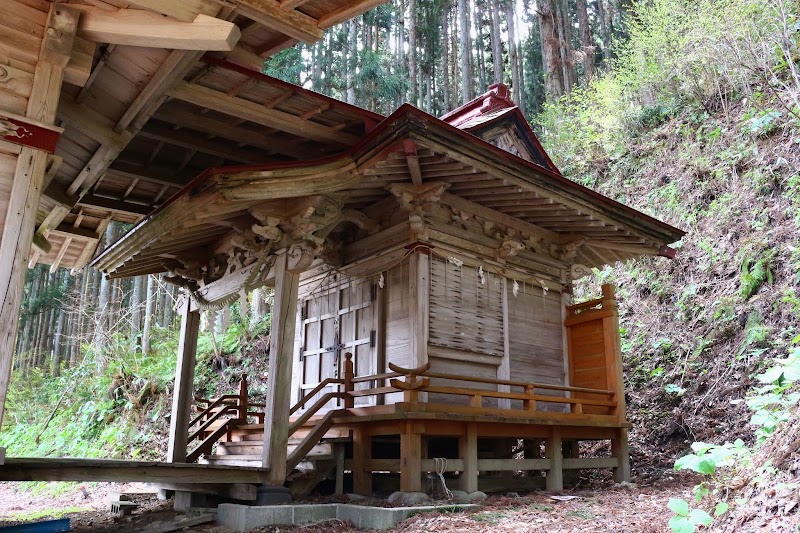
column 666, row 251
column 18, row 131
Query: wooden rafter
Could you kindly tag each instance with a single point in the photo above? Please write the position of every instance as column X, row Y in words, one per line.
column 259, row 113
column 289, row 22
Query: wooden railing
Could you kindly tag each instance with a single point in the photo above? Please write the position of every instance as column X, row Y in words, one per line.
column 419, row 380
column 230, row 410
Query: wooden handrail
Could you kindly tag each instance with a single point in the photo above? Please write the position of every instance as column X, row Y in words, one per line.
column 375, row 377
column 583, row 305
column 307, row 396
column 219, row 401
column 463, row 391
column 199, row 431
column 523, row 384
column 311, row 411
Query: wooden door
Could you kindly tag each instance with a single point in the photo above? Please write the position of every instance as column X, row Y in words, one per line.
column 335, row 321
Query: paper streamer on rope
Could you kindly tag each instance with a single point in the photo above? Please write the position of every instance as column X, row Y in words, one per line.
column 481, row 275
column 381, row 281
column 515, row 288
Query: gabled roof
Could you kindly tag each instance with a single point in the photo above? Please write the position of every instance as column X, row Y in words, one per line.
column 410, row 146
column 495, row 118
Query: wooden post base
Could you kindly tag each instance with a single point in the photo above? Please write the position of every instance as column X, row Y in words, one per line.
column 411, row 459
column 553, row 450
column 619, row 449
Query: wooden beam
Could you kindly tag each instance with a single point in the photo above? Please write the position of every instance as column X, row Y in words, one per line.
column 185, row 10
column 35, row 469
column 115, row 206
column 255, row 112
column 410, row 148
column 292, row 23
column 136, row 27
column 346, row 12
column 278, row 399
column 26, row 183
column 60, row 257
column 237, row 491
column 183, row 391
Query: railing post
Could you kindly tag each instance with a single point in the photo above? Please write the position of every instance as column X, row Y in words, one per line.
column 243, row 399
column 349, row 401
column 529, row 405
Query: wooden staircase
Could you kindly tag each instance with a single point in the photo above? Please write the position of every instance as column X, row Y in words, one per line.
column 246, row 446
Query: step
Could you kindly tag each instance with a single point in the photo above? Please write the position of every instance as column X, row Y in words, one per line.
column 256, row 447
column 232, row 460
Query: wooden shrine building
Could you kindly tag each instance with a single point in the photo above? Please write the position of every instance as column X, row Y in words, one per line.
column 422, row 304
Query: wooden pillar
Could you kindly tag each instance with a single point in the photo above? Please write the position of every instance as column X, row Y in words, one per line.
column 362, row 456
column 26, row 182
column 279, row 381
column 468, row 452
column 419, row 298
column 619, row 449
column 411, row 458
column 553, row 451
column 184, row 384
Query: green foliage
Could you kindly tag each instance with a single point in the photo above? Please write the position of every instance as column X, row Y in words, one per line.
column 686, row 520
column 755, row 272
column 771, row 404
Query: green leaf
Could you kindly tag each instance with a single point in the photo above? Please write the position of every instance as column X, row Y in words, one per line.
column 705, row 466
column 721, row 508
column 700, row 517
column 679, row 506
column 681, row 524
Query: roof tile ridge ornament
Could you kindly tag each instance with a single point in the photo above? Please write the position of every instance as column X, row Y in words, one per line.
column 497, row 97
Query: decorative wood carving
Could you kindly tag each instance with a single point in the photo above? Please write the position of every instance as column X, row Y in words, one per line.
column 420, row 200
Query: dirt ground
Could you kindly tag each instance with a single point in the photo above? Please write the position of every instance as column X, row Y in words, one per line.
column 605, row 508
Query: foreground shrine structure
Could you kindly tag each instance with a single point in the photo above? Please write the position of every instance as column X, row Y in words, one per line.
column 422, row 268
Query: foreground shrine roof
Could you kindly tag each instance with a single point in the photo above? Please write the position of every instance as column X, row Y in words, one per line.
column 145, row 110
column 408, row 151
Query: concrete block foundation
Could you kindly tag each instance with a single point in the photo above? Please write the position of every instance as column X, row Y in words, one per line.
column 245, row 517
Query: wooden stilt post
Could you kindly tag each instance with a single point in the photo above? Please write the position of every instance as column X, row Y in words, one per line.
column 26, row 183
column 362, row 455
column 281, row 348
column 468, row 451
column 184, row 384
column 552, row 448
column 619, row 449
column 410, row 458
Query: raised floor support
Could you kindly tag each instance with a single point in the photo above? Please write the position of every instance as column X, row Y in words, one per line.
column 278, row 399
column 619, row 450
column 553, row 451
column 411, row 458
column 468, row 452
column 184, row 384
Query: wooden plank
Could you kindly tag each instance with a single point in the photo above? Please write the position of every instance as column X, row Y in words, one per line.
column 135, row 27
column 580, row 463
column 278, row 399
column 66, row 469
column 506, row 465
column 237, row 491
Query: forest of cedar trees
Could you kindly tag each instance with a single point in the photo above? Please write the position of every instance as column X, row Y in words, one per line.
column 688, row 110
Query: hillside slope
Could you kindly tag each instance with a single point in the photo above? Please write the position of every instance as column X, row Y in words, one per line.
column 698, row 328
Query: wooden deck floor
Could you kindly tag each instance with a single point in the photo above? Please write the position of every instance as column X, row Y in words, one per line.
column 68, row 469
